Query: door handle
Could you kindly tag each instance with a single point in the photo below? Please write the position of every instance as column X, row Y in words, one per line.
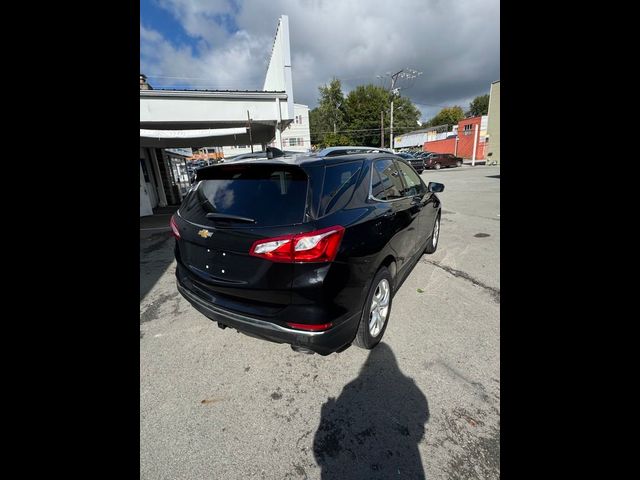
column 417, row 201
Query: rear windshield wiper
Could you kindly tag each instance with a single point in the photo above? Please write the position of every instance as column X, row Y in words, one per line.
column 224, row 216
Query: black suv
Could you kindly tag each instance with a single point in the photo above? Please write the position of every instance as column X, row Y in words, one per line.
column 305, row 250
column 416, row 162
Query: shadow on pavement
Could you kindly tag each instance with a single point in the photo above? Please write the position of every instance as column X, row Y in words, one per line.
column 372, row 430
column 493, row 176
column 156, row 254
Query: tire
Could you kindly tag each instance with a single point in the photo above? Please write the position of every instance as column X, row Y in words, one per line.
column 367, row 337
column 435, row 236
column 437, row 166
column 459, row 163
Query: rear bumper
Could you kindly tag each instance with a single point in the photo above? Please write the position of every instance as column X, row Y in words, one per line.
column 324, row 342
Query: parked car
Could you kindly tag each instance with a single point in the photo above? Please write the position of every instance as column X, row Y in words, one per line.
column 304, row 250
column 438, row 160
column 416, row 162
column 348, row 150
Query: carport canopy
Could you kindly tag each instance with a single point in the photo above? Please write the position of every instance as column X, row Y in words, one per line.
column 196, row 118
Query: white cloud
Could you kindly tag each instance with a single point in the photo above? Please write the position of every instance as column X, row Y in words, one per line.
column 454, row 44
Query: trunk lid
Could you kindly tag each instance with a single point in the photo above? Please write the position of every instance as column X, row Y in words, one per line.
column 228, row 209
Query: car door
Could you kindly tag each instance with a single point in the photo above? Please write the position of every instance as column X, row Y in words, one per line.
column 399, row 222
column 422, row 204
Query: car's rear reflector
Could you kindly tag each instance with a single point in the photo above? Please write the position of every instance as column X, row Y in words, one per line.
column 310, row 327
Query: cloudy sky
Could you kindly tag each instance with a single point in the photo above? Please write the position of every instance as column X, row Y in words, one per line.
column 225, row 44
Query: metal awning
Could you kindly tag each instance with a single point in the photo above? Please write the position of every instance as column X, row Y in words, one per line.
column 261, row 133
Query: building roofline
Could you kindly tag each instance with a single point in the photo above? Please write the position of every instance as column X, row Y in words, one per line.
column 213, row 93
column 422, row 130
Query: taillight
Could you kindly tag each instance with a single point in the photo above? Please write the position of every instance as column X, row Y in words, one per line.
column 317, row 246
column 174, row 227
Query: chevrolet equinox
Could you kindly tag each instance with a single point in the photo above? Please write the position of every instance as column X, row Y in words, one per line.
column 305, row 250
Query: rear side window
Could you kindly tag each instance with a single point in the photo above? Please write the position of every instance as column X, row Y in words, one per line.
column 385, row 181
column 339, row 184
column 412, row 182
column 271, row 195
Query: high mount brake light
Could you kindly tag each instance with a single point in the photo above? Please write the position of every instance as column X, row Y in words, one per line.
column 317, row 246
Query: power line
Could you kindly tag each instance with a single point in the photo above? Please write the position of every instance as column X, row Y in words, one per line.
column 374, row 131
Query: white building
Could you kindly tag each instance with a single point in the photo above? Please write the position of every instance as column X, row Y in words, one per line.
column 295, row 138
column 171, row 119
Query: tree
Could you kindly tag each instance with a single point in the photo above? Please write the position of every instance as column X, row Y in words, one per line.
column 329, row 115
column 335, row 139
column 405, row 116
column 331, row 105
column 449, row 116
column 479, row 106
column 363, row 107
column 316, row 127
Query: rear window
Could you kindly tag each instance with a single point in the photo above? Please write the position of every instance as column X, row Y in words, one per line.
column 271, row 195
column 339, row 184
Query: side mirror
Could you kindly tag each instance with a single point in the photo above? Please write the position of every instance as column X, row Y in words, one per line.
column 435, row 187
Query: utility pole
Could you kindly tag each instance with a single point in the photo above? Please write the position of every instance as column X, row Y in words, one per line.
column 381, row 128
column 405, row 73
column 394, row 78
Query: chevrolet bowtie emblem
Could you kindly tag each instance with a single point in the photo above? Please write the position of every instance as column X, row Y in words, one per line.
column 205, row 233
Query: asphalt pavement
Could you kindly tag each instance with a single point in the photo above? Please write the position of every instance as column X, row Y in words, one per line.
column 425, row 403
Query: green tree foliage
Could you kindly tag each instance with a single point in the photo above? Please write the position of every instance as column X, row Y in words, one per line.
column 363, row 107
column 479, row 106
column 315, row 126
column 356, row 118
column 329, row 115
column 405, row 116
column 335, row 139
column 449, row 116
